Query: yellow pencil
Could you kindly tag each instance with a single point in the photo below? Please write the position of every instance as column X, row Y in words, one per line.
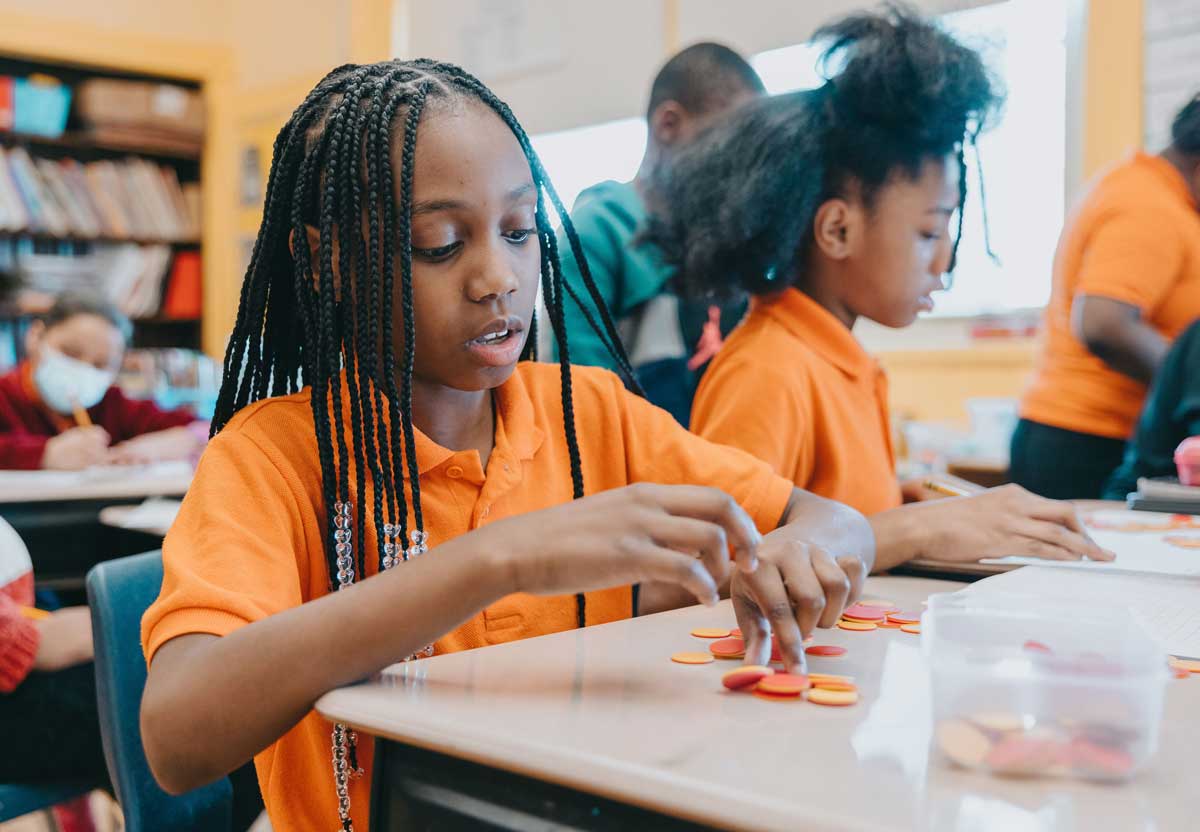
column 947, row 490
column 81, row 416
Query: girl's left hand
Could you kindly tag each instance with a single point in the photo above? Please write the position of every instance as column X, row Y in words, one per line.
column 796, row 587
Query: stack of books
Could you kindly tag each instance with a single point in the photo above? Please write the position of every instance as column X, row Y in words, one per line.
column 1165, row 494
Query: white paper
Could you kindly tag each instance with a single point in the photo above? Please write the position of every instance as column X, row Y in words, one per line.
column 1137, row 551
column 155, row 514
column 1169, row 608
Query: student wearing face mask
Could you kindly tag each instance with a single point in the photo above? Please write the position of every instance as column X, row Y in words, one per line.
column 60, row 410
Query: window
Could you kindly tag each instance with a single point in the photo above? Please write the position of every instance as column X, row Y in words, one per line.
column 1023, row 155
column 579, row 158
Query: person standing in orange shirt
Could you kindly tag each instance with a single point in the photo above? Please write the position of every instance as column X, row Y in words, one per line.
column 836, row 204
column 1126, row 284
column 388, row 480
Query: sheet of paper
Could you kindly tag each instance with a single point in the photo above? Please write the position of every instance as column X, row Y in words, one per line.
column 1168, row 607
column 156, row 513
column 1143, row 541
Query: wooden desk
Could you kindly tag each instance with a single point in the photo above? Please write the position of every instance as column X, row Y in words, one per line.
column 597, row 729
column 57, row 515
column 165, row 480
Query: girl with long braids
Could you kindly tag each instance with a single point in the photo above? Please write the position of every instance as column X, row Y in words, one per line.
column 387, row 479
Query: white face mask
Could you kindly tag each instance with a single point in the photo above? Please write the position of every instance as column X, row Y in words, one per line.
column 65, row 382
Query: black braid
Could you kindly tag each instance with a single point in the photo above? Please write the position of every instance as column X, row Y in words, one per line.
column 406, row 290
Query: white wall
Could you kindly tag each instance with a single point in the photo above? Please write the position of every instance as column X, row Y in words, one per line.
column 558, row 64
column 576, row 62
column 757, row 25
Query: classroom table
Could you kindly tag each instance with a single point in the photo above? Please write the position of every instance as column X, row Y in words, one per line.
column 597, row 729
column 57, row 515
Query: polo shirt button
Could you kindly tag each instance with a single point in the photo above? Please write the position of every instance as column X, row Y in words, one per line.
column 454, row 472
column 486, row 511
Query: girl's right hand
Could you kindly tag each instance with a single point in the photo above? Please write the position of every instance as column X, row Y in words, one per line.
column 1007, row 521
column 629, row 535
column 76, row 448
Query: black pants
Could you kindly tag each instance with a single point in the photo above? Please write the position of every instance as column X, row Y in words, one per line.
column 1062, row 464
column 51, row 733
column 51, row 729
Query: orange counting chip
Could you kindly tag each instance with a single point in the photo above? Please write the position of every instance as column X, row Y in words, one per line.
column 915, row 629
column 821, row 696
column 745, row 677
column 888, row 625
column 825, row 650
column 858, row 626
column 692, row 658
column 1180, row 673
column 831, row 685
column 1036, row 646
column 775, row 697
column 784, row 684
column 728, row 648
column 886, row 606
column 1190, row 665
column 736, row 632
column 859, row 612
column 1183, row 541
column 904, row 617
column 819, row 679
column 710, row 632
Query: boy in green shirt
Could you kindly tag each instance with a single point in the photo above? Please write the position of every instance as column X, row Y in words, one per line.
column 669, row 340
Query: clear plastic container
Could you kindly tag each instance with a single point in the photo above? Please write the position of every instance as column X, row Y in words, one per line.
column 1187, row 460
column 1024, row 689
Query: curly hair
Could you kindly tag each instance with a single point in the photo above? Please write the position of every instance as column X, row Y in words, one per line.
column 734, row 211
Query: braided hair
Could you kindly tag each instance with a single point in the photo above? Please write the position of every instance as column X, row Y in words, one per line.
column 298, row 325
column 737, row 206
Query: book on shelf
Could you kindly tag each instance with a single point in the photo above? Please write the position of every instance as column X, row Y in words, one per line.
column 129, row 198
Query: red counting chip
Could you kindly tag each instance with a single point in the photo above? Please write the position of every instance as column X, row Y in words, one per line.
column 728, row 648
column 1036, row 646
column 1100, row 760
column 860, row 612
column 784, row 684
column 745, row 677
column 825, row 650
column 904, row 617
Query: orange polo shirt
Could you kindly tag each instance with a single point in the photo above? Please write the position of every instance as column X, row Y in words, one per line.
column 794, row 388
column 249, row 539
column 1134, row 238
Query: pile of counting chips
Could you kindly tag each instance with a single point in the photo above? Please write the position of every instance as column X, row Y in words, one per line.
column 1020, row 745
column 866, row 616
column 767, row 683
column 1013, row 745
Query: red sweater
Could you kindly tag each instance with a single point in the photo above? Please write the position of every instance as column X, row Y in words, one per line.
column 19, row 636
column 26, row 423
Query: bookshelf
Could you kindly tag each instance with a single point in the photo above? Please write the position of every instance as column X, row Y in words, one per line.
column 116, row 216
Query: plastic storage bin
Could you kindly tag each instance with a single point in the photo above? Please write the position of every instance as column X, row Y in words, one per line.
column 1187, row 460
column 1030, row 691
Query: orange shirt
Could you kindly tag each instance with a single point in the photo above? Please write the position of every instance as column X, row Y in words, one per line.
column 793, row 387
column 1134, row 238
column 249, row 539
